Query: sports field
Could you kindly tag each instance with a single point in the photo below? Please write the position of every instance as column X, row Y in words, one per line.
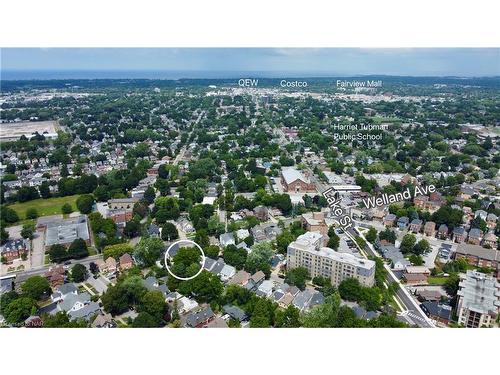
column 45, row 207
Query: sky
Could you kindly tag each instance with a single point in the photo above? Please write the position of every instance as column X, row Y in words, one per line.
column 307, row 61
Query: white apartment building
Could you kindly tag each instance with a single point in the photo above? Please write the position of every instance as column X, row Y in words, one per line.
column 308, row 251
column 479, row 299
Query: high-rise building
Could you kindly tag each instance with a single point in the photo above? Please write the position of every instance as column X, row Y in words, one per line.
column 308, row 251
column 478, row 299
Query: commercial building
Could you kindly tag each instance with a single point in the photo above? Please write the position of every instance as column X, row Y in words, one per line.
column 64, row 232
column 308, row 252
column 478, row 299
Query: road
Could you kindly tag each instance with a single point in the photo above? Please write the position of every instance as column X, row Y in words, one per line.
column 23, row 275
column 412, row 312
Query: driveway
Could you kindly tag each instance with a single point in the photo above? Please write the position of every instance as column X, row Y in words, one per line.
column 38, row 250
column 99, row 284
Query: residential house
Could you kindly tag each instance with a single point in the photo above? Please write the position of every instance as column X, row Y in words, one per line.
column 389, row 220
column 430, row 229
column 122, row 203
column 258, row 277
column 491, row 221
column 490, row 240
column 261, row 212
column 443, row 231
column 315, row 222
column 459, row 234
column 103, row 321
column 55, row 276
column 126, row 262
column 437, row 311
column 240, row 278
column 63, row 291
column 415, row 225
column 235, row 313
column 475, row 236
column 200, row 318
column 265, row 232
column 226, row 239
column 403, row 222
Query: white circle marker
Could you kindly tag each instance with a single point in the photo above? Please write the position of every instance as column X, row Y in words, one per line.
column 202, row 263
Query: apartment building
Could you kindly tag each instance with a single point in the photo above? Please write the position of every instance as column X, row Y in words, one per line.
column 478, row 299
column 308, row 251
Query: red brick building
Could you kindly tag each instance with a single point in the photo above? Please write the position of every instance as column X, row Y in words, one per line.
column 294, row 181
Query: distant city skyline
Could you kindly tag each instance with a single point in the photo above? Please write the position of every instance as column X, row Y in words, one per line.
column 228, row 62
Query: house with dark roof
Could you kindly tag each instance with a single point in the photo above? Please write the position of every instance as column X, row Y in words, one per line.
column 443, row 231
column 459, row 234
column 403, row 222
column 200, row 318
column 235, row 312
column 437, row 311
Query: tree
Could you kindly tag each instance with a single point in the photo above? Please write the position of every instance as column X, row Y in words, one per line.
column 117, row 250
column 78, row 249
column 31, row 213
column 19, row 310
column 44, row 190
column 261, row 315
column 283, row 240
column 61, row 320
column 132, row 228
column 78, row 273
column 148, row 251
column 212, row 251
column 260, row 258
column 235, row 256
column 289, row 318
column 334, row 242
column 350, row 289
column 4, row 235
column 57, row 253
column 298, row 277
column 8, row 215
column 153, row 303
column 407, row 243
column 371, row 236
column 421, row 247
column 387, row 235
column 28, row 231
column 149, row 195
column 66, row 209
column 84, row 203
column 451, row 284
column 36, row 287
column 206, row 287
column 145, row 320
column 169, row 232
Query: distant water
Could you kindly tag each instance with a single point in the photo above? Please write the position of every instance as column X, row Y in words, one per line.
column 144, row 74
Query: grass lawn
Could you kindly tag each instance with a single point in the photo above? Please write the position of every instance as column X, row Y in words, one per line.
column 437, row 280
column 379, row 119
column 45, row 207
column 92, row 250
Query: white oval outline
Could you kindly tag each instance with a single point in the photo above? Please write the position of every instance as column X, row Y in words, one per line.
column 202, row 263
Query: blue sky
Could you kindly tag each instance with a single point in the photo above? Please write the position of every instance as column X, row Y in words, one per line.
column 310, row 61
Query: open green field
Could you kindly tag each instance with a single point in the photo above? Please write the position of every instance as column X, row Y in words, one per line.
column 45, row 207
column 379, row 119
